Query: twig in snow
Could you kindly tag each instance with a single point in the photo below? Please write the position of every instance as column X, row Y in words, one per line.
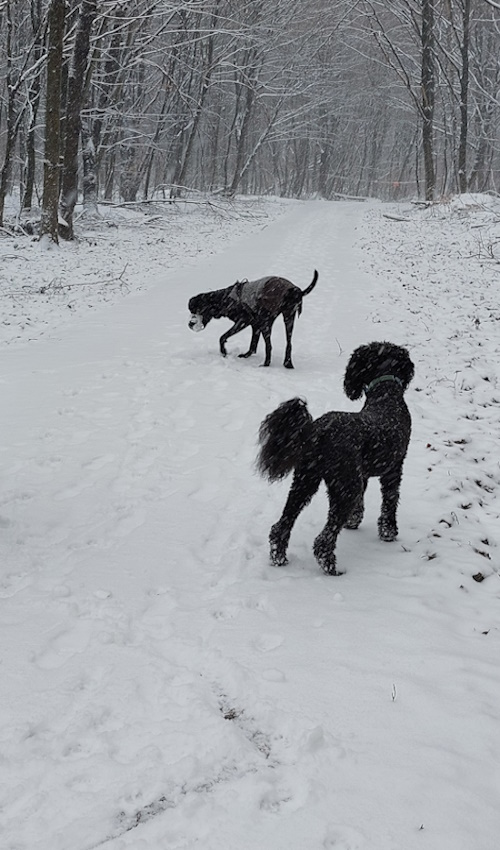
column 395, row 217
column 44, row 289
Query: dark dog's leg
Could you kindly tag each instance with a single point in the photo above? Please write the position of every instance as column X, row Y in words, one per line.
column 253, row 343
column 387, row 525
column 266, row 333
column 289, row 320
column 304, row 485
column 237, row 327
column 355, row 518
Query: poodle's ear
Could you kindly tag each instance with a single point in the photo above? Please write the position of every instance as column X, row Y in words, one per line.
column 405, row 368
column 356, row 373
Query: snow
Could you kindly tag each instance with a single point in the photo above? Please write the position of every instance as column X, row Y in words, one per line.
column 162, row 685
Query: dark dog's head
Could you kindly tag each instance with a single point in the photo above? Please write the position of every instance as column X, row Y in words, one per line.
column 377, row 360
column 201, row 311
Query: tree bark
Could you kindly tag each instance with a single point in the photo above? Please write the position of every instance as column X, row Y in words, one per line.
column 12, row 120
column 464, row 94
column 73, row 124
column 51, row 169
column 428, row 97
column 33, row 102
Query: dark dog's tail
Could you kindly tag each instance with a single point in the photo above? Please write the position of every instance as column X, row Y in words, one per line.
column 281, row 436
column 311, row 285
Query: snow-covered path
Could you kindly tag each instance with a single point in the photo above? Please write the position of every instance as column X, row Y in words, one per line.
column 164, row 686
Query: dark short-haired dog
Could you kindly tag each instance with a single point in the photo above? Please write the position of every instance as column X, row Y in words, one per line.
column 342, row 449
column 252, row 302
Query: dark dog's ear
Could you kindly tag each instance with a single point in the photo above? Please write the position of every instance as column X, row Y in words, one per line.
column 357, row 372
column 193, row 304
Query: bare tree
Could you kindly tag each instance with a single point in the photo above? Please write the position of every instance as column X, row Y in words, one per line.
column 428, row 96
column 18, row 72
column 33, row 101
column 74, row 104
column 51, row 171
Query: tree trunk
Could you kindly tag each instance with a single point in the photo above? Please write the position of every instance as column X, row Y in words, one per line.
column 34, row 102
column 76, row 80
column 242, row 139
column 11, row 122
column 464, row 93
column 51, row 169
column 89, row 181
column 427, row 102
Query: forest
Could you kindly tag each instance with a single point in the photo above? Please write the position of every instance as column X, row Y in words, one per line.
column 131, row 100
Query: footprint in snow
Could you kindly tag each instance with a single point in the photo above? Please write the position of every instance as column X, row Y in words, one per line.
column 99, row 462
column 80, row 437
column 235, row 425
column 73, row 492
column 268, row 642
column 344, row 838
column 272, row 674
column 12, row 584
column 127, row 522
column 65, row 645
column 206, row 493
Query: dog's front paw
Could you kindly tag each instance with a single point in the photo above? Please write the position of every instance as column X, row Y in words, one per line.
column 277, row 555
column 387, row 531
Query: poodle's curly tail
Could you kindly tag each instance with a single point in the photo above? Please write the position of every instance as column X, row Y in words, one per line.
column 281, row 437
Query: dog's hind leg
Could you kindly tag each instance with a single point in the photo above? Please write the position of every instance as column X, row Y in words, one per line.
column 389, row 484
column 304, row 485
column 253, row 343
column 289, row 319
column 266, row 333
column 343, row 495
column 324, row 545
column 355, row 518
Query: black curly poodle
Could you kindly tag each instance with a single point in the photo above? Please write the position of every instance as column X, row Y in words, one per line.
column 342, row 449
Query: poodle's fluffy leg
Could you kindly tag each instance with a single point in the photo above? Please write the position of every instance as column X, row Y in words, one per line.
column 355, row 518
column 343, row 496
column 324, row 548
column 387, row 525
column 304, row 485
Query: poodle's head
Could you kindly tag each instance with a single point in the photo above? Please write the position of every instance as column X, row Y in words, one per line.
column 377, row 360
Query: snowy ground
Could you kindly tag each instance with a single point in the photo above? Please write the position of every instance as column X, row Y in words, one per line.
column 162, row 685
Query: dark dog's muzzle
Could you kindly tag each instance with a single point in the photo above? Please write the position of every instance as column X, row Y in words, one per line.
column 196, row 322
